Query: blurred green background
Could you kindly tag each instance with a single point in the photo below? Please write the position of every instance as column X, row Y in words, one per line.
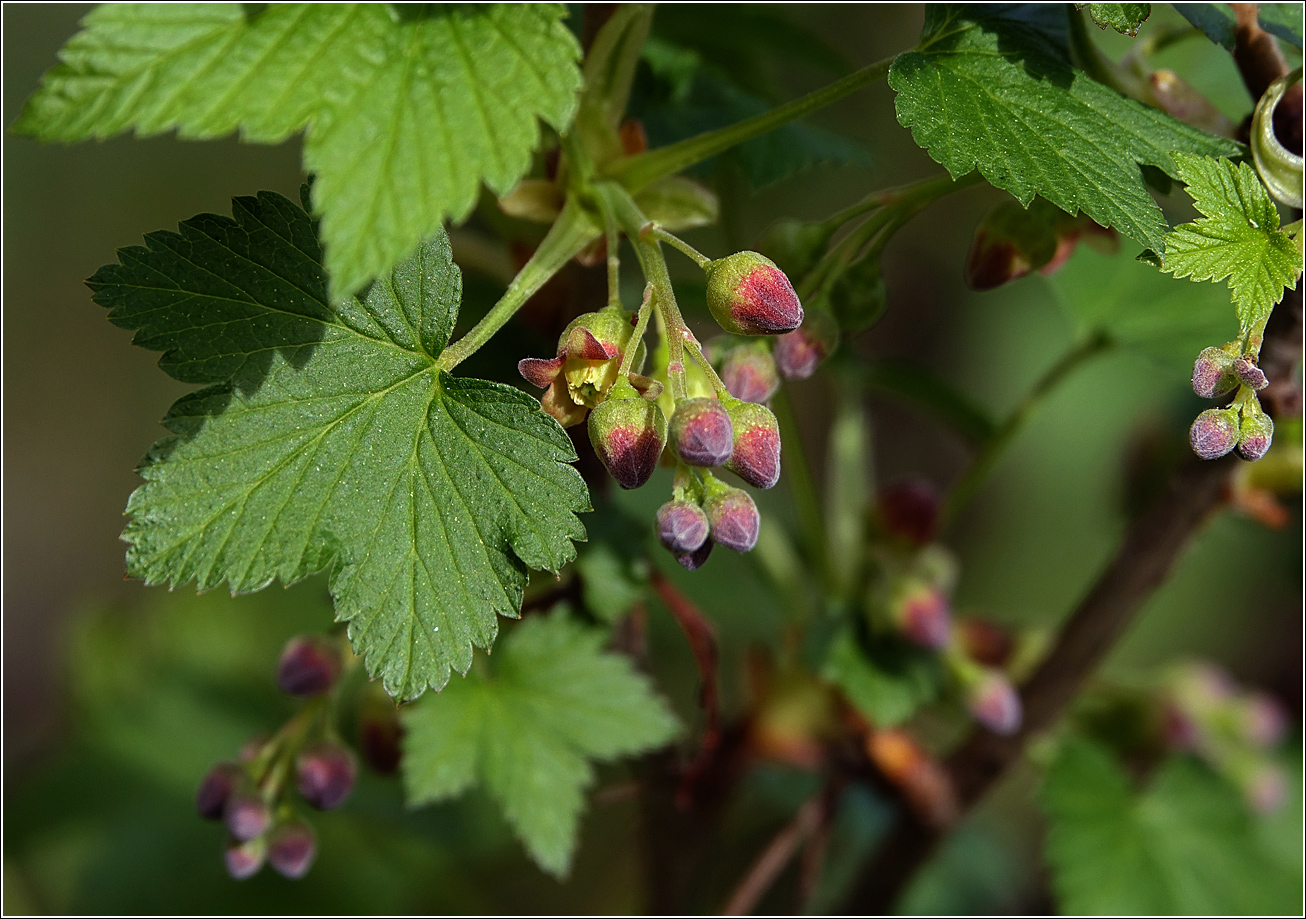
column 117, row 698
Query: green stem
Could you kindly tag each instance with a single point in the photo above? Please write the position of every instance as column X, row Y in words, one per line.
column 798, row 472
column 637, row 172
column 993, row 449
column 571, row 232
column 641, row 323
column 718, row 385
column 676, row 242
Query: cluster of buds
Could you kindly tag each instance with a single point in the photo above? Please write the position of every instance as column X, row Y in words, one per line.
column 702, row 514
column 1243, row 423
column 254, row 798
column 1011, row 241
column 1233, row 730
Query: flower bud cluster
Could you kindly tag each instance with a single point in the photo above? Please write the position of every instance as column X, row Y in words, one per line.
column 255, row 798
column 1242, row 424
column 1234, row 730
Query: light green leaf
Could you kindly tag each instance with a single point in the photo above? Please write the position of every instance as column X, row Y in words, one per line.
column 887, row 688
column 1238, row 238
column 988, row 93
column 1123, row 17
column 406, row 115
column 329, row 440
column 527, row 732
column 1186, row 845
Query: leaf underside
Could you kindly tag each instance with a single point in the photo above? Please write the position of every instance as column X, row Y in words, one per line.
column 527, row 734
column 989, row 93
column 406, row 114
column 328, row 439
column 1237, row 238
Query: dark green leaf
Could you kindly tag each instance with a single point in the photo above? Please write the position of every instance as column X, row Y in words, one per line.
column 1123, row 17
column 329, row 440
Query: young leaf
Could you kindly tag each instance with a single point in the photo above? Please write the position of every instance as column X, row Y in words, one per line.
column 988, row 92
column 528, row 732
column 1186, row 845
column 329, row 440
column 887, row 689
column 1123, row 17
column 407, row 113
column 1238, row 238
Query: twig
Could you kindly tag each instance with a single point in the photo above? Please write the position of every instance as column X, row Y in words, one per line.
column 776, row 856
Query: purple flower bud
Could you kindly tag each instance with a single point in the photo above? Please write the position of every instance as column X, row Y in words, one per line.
column 800, row 352
column 749, row 372
column 292, row 848
column 1214, row 433
column 246, row 815
column 1262, row 721
column 325, row 774
column 628, row 433
column 682, row 526
column 923, row 615
column 309, row 665
column 756, row 454
column 749, row 295
column 700, row 432
column 734, row 518
column 692, row 561
column 216, row 788
column 244, row 859
column 994, row 703
column 910, row 510
column 1249, row 374
column 380, row 737
column 1255, row 433
column 1212, row 374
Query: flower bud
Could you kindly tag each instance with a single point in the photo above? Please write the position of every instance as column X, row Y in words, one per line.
column 246, row 814
column 1009, row 243
column 734, row 518
column 309, row 665
column 922, row 614
column 682, row 526
column 800, row 352
column 692, row 561
column 700, row 432
column 628, row 433
column 756, row 454
column 244, row 859
column 994, row 703
column 749, row 372
column 292, row 848
column 984, row 642
column 380, row 737
column 216, row 788
column 1214, row 433
column 749, row 295
column 1249, row 374
column 1255, row 433
column 325, row 775
column 1213, row 373
column 1261, row 720
column 589, row 356
column 910, row 510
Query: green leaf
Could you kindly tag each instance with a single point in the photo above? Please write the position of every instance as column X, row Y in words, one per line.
column 405, row 116
column 989, row 93
column 1216, row 21
column 1186, row 845
column 329, row 440
column 887, row 686
column 527, row 733
column 1123, row 17
column 1238, row 238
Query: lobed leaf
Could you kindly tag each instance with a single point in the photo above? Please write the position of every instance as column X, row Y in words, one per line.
column 408, row 109
column 329, row 440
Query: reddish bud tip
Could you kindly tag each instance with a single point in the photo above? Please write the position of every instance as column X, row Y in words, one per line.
column 291, row 849
column 244, row 859
column 1255, row 434
column 1214, row 433
column 734, row 518
column 682, row 526
column 749, row 295
column 994, row 703
column 380, row 738
column 800, row 352
column 1249, row 374
column 692, row 561
column 756, row 454
column 309, row 665
column 216, row 788
column 700, row 432
column 246, row 815
column 628, row 435
column 749, row 372
column 923, row 615
column 910, row 510
column 1212, row 373
column 325, row 774
column 984, row 642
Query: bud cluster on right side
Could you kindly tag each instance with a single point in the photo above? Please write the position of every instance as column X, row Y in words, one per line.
column 1242, row 424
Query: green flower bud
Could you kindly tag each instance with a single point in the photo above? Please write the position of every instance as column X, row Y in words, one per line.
column 749, row 372
column 1255, row 432
column 749, row 295
column 628, row 433
column 1213, row 373
column 755, row 457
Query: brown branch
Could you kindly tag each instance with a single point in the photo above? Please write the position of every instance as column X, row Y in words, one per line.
column 777, row 855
